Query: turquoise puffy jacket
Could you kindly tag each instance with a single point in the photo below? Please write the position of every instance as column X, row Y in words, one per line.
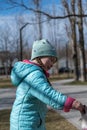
column 34, row 93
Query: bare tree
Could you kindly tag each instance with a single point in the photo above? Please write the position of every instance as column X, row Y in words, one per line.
column 73, row 35
column 81, row 43
column 38, row 17
column 21, row 42
column 71, row 14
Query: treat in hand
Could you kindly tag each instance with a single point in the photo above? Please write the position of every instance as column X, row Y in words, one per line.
column 78, row 106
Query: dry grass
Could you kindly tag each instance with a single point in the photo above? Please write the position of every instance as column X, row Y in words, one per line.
column 5, row 83
column 60, row 77
column 53, row 121
column 56, row 122
column 4, row 119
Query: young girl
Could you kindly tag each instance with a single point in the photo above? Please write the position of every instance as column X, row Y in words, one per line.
column 34, row 91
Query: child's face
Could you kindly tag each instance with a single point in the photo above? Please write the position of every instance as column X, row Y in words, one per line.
column 48, row 62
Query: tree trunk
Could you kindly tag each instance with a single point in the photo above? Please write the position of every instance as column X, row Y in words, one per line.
column 81, row 42
column 38, row 18
column 73, row 35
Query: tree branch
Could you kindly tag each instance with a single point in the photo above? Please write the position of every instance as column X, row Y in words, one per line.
column 16, row 4
column 57, row 17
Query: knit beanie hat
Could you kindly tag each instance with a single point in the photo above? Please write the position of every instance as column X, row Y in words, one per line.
column 42, row 48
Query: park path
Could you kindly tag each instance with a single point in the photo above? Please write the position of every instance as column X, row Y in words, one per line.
column 7, row 97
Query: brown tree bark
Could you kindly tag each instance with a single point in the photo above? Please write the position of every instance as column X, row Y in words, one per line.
column 81, row 44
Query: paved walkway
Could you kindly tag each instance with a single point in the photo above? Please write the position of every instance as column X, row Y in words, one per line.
column 7, row 97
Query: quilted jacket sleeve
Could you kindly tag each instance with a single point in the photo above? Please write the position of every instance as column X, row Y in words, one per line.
column 41, row 89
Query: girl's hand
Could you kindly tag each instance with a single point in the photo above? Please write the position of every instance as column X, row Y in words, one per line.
column 78, row 106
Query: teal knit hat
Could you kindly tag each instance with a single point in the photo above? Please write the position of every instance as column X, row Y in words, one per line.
column 42, row 48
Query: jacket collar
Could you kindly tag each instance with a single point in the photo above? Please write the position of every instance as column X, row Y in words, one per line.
column 30, row 62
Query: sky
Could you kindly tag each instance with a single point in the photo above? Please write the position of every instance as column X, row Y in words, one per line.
column 4, row 6
column 8, row 19
column 7, row 15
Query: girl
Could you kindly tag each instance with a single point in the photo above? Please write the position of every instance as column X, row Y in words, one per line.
column 34, row 91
